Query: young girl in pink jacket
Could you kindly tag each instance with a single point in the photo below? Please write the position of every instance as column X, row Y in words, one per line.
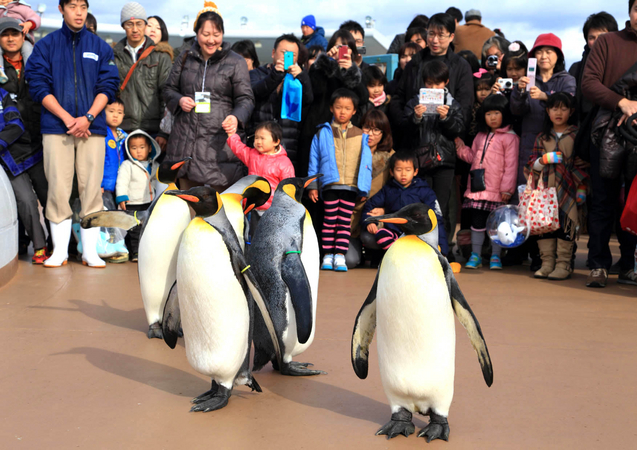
column 268, row 159
column 494, row 150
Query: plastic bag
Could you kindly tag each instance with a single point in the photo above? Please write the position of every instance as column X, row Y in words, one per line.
column 291, row 105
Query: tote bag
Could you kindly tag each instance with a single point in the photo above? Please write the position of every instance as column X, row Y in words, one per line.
column 539, row 209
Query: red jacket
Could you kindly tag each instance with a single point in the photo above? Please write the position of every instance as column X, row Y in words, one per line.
column 273, row 168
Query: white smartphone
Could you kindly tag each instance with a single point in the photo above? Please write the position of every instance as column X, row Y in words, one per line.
column 530, row 73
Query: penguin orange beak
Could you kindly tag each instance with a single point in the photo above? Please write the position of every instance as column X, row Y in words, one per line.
column 396, row 220
column 188, row 198
column 248, row 209
column 177, row 165
column 309, row 180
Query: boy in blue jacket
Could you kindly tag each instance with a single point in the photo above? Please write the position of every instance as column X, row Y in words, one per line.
column 72, row 73
column 341, row 153
column 404, row 189
column 115, row 152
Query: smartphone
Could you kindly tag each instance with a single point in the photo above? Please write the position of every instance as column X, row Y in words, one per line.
column 530, row 73
column 288, row 60
column 342, row 51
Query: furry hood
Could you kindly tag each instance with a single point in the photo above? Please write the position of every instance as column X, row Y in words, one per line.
column 329, row 67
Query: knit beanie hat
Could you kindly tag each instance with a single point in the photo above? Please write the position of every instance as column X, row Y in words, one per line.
column 207, row 7
column 309, row 21
column 133, row 11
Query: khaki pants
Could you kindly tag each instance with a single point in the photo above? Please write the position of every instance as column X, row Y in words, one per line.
column 65, row 155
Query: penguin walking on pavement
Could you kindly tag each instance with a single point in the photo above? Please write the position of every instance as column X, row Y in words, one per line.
column 215, row 303
column 411, row 304
column 284, row 256
column 162, row 225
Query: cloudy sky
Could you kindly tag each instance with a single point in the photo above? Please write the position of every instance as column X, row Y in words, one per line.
column 517, row 19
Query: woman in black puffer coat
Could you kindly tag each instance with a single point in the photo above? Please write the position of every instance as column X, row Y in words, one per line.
column 328, row 74
column 224, row 74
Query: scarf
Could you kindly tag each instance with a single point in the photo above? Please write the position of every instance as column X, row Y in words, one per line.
column 379, row 100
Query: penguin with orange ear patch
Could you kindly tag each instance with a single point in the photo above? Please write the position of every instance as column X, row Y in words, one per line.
column 215, row 304
column 284, row 256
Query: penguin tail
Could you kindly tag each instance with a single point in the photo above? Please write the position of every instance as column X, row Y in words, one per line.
column 252, row 384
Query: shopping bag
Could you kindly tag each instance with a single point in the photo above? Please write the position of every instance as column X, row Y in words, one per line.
column 628, row 220
column 292, row 99
column 539, row 209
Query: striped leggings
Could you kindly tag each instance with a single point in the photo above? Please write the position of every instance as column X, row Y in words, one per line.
column 339, row 206
column 385, row 238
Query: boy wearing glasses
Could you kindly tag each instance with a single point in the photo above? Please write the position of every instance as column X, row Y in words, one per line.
column 142, row 97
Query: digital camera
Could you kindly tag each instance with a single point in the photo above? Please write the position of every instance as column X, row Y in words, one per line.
column 506, row 83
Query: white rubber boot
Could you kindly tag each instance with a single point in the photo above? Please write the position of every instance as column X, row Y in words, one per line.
column 90, row 257
column 60, row 234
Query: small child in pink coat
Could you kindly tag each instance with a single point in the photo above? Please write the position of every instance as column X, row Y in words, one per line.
column 268, row 159
column 29, row 21
column 495, row 149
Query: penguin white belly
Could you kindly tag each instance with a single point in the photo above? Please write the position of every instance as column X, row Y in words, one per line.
column 214, row 311
column 234, row 213
column 158, row 248
column 416, row 330
column 310, row 257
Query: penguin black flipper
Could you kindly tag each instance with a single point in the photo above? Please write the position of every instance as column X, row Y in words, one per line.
column 364, row 328
column 115, row 219
column 294, row 276
column 248, row 282
column 171, row 323
column 468, row 320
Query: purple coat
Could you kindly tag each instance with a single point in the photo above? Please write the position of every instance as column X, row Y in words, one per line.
column 533, row 112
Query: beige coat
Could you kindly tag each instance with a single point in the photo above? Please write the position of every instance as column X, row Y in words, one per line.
column 471, row 36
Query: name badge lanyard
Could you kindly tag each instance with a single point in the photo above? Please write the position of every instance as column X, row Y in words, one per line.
column 202, row 99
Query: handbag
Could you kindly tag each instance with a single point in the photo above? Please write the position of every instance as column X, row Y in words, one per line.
column 478, row 182
column 628, row 220
column 538, row 208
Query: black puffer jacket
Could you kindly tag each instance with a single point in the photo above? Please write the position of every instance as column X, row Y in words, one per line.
column 326, row 76
column 267, row 86
column 201, row 135
column 29, row 110
column 460, row 85
column 431, row 132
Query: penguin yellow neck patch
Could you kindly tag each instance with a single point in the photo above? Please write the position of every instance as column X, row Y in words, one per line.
column 290, row 189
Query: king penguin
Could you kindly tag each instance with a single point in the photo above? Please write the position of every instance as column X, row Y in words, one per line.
column 284, row 256
column 215, row 303
column 411, row 304
column 162, row 226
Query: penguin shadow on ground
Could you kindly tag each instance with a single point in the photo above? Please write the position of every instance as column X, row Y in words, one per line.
column 156, row 375
column 130, row 319
column 316, row 394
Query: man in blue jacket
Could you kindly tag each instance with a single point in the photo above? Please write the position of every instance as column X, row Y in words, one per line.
column 73, row 74
column 312, row 35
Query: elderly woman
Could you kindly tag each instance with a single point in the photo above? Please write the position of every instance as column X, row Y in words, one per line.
column 494, row 46
column 208, row 92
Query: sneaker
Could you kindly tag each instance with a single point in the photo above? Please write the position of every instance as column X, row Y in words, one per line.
column 39, row 256
column 133, row 257
column 597, row 278
column 495, row 263
column 339, row 263
column 117, row 259
column 615, row 269
column 627, row 277
column 328, row 262
column 475, row 261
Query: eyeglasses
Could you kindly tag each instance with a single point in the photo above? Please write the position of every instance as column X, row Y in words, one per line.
column 359, row 42
column 138, row 25
column 372, row 131
column 441, row 37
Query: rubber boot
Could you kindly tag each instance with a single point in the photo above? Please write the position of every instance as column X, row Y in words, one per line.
column 61, row 235
column 547, row 254
column 90, row 257
column 563, row 262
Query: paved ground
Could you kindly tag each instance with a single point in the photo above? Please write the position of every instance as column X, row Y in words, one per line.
column 77, row 371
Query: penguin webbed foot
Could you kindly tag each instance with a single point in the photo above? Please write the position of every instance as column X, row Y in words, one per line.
column 154, row 331
column 400, row 423
column 206, row 395
column 252, row 384
column 299, row 369
column 217, row 401
column 438, row 428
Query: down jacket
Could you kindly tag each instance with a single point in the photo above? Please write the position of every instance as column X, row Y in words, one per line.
column 265, row 83
column 500, row 163
column 432, row 131
column 114, row 156
column 274, row 168
column 134, row 179
column 16, row 153
column 326, row 76
column 393, row 197
column 201, row 136
column 533, row 112
column 143, row 102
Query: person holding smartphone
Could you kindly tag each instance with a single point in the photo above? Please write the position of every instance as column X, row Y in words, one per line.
column 267, row 86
